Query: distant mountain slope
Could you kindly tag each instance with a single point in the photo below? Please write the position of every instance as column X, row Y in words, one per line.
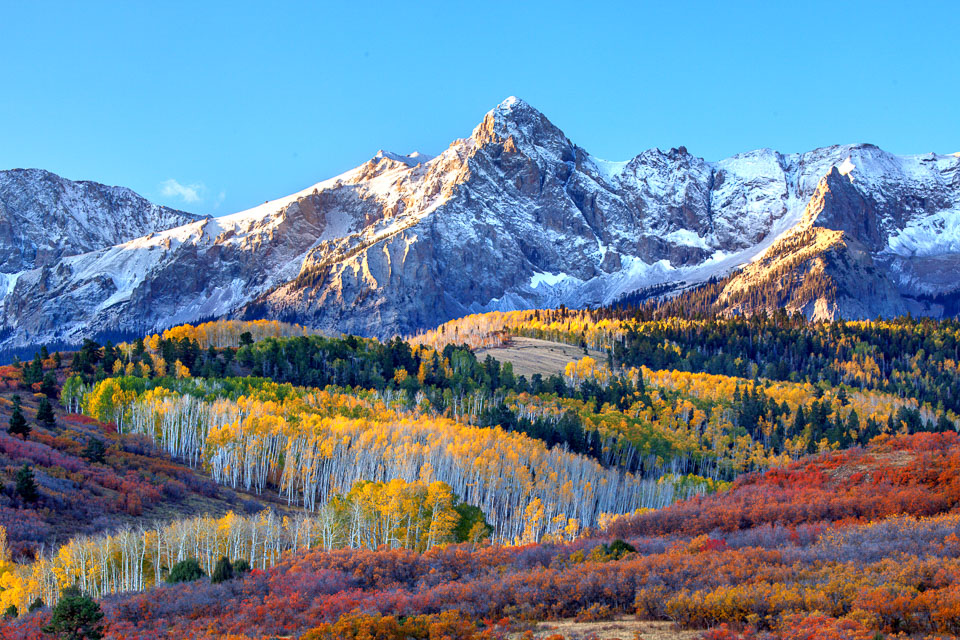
column 518, row 216
column 877, row 243
column 44, row 217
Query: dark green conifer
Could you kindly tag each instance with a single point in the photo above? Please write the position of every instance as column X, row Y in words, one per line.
column 18, row 424
column 75, row 617
column 26, row 485
column 45, row 417
column 223, row 571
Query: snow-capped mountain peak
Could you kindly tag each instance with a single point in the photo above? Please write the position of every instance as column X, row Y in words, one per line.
column 513, row 216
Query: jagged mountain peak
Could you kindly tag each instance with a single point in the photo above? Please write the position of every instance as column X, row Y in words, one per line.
column 518, row 126
column 517, row 216
column 839, row 206
column 511, row 105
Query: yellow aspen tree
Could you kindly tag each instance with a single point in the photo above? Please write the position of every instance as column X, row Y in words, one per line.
column 180, row 371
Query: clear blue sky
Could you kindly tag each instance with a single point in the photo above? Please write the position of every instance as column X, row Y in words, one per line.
column 250, row 101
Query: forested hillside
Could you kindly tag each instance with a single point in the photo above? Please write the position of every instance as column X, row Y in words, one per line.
column 64, row 474
column 227, row 468
column 811, row 576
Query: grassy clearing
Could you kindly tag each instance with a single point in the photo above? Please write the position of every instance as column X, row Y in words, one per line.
column 619, row 629
column 530, row 356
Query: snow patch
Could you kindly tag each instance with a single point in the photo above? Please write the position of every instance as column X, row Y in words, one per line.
column 7, row 283
column 931, row 236
column 846, row 166
column 411, row 159
column 608, row 169
column 338, row 225
column 510, row 102
column 549, row 279
column 687, row 238
column 260, row 212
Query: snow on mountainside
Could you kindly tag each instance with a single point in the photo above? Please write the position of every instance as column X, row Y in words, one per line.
column 514, row 216
column 44, row 217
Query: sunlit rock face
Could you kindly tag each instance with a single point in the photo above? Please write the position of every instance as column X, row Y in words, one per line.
column 517, row 216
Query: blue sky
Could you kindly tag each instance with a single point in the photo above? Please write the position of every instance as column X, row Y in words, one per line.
column 216, row 107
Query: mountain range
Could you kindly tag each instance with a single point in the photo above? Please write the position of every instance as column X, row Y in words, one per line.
column 513, row 216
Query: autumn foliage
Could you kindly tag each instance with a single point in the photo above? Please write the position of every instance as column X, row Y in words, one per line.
column 916, row 475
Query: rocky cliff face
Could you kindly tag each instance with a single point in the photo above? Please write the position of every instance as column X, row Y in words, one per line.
column 878, row 238
column 517, row 216
column 44, row 217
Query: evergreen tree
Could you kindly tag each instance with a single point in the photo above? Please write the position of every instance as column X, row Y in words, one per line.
column 853, row 423
column 26, row 486
column 33, row 372
column 45, row 416
column 842, row 397
column 185, row 571
column 799, row 421
column 837, row 429
column 872, row 430
column 75, row 617
column 18, row 424
column 945, row 424
column 223, row 571
column 95, row 451
column 48, row 386
column 779, row 436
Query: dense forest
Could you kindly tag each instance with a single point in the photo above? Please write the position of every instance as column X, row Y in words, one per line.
column 260, row 462
column 816, row 575
column 910, row 358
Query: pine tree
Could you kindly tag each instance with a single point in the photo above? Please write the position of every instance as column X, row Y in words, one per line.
column 18, row 424
column 944, row 423
column 45, row 416
column 75, row 617
column 34, row 371
column 48, row 386
column 842, row 397
column 223, row 571
column 799, row 421
column 853, row 423
column 26, row 486
column 778, row 438
column 836, row 431
column 95, row 451
column 185, row 571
